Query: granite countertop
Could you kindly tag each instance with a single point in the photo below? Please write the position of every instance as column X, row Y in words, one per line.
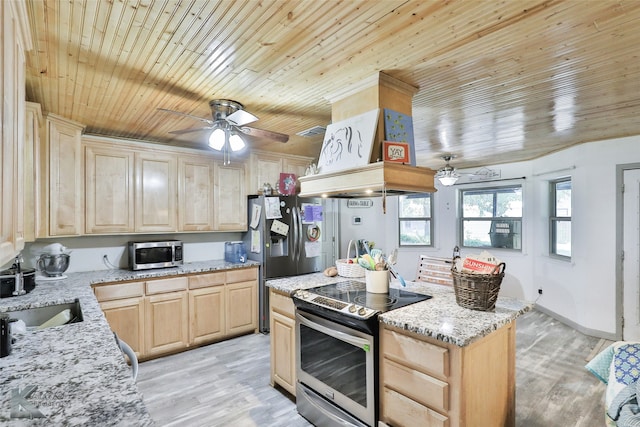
column 439, row 317
column 78, row 369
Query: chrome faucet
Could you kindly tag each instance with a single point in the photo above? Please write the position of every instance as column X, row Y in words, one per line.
column 19, row 278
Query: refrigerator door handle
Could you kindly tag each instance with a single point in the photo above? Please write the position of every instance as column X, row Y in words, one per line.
column 298, row 233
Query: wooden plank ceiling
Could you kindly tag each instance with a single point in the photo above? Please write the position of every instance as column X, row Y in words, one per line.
column 499, row 81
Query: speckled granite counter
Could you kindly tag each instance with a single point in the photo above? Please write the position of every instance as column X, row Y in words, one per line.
column 439, row 317
column 79, row 372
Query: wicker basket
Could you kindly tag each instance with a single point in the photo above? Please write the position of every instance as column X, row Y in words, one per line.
column 349, row 270
column 477, row 291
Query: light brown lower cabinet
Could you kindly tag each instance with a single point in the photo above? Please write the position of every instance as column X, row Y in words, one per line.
column 163, row 316
column 123, row 306
column 242, row 310
column 206, row 307
column 431, row 383
column 241, row 298
column 282, row 327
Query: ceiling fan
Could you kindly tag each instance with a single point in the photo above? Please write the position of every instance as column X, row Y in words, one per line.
column 229, row 121
column 448, row 175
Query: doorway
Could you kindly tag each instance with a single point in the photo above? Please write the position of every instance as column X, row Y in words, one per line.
column 630, row 259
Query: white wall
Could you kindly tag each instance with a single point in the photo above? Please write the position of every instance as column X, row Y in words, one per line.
column 581, row 291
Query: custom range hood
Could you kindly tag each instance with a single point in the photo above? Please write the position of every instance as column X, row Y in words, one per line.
column 375, row 179
column 378, row 178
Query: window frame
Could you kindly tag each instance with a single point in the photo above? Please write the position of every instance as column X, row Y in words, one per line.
column 495, row 190
column 554, row 219
column 428, row 219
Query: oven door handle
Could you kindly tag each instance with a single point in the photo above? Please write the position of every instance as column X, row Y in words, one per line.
column 353, row 340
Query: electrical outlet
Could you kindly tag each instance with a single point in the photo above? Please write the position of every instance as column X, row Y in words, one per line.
column 540, row 291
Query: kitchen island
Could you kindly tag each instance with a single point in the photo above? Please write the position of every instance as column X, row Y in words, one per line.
column 440, row 364
column 78, row 369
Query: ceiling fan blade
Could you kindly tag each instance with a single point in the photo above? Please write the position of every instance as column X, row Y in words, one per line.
column 241, row 118
column 181, row 131
column 261, row 133
column 186, row 115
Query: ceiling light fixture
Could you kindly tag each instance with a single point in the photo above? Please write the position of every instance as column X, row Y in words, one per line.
column 217, row 139
column 447, row 175
column 236, row 142
column 224, row 138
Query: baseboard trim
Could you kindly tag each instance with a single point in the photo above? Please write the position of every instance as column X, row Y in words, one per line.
column 587, row 331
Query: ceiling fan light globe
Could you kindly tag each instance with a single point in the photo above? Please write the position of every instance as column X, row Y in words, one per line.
column 448, row 180
column 236, row 142
column 217, row 139
column 447, row 175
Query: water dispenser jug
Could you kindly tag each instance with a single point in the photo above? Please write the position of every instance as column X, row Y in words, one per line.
column 235, row 252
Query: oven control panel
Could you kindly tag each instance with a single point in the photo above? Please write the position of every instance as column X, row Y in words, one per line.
column 350, row 309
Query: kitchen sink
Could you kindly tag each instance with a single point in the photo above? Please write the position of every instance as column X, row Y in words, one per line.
column 34, row 317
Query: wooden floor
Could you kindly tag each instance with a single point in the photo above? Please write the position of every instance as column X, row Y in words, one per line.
column 227, row 384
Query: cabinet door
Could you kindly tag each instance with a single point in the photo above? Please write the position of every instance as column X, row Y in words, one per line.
column 242, row 307
column 65, row 179
column 32, row 172
column 126, row 319
column 167, row 322
column 156, row 178
column 265, row 168
column 296, row 166
column 206, row 309
column 7, row 141
column 230, row 198
column 283, row 366
column 12, row 104
column 109, row 190
column 195, row 194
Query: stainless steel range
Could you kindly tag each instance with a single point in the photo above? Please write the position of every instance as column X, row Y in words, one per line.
column 337, row 351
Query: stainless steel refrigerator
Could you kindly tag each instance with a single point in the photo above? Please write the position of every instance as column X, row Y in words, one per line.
column 289, row 236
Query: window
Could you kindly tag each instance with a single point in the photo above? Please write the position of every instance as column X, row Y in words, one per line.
column 491, row 218
column 560, row 218
column 415, row 214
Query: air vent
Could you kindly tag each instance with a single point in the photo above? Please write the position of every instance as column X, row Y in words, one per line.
column 316, row 130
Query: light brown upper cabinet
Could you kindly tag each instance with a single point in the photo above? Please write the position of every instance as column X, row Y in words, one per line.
column 195, row 193
column 13, row 44
column 296, row 165
column 63, row 155
column 32, row 175
column 155, row 201
column 109, row 189
column 266, row 168
column 230, row 199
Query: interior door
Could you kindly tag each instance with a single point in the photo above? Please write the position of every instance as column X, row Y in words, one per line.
column 631, row 261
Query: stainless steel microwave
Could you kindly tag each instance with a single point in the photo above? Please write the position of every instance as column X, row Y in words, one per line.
column 156, row 254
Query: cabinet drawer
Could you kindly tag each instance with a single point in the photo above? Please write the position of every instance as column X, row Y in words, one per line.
column 242, row 275
column 400, row 411
column 420, row 387
column 206, row 280
column 423, row 355
column 282, row 304
column 119, row 291
column 167, row 285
